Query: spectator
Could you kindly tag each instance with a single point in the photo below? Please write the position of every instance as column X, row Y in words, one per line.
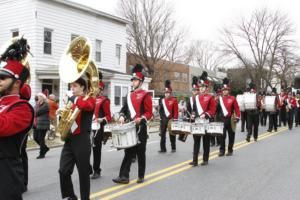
column 182, row 108
column 53, row 106
column 41, row 123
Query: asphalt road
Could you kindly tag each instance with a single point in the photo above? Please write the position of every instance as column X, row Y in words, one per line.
column 267, row 169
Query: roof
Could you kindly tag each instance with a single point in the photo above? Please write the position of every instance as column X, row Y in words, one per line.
column 91, row 10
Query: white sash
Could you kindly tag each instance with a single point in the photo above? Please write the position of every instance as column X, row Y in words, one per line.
column 198, row 105
column 192, row 103
column 130, row 106
column 225, row 111
column 165, row 108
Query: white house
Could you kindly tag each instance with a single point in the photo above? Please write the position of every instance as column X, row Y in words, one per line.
column 49, row 26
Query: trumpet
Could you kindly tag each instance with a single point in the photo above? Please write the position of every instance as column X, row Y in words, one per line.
column 76, row 63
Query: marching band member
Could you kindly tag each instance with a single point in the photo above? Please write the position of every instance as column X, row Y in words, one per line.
column 229, row 106
column 215, row 140
column 102, row 116
column 282, row 108
column 290, row 107
column 190, row 115
column 204, row 108
column 138, row 108
column 16, row 119
column 244, row 117
column 77, row 147
column 168, row 111
column 263, row 113
column 297, row 110
column 253, row 117
column 273, row 116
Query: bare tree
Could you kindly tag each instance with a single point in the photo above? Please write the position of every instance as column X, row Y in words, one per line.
column 257, row 40
column 205, row 55
column 285, row 66
column 152, row 34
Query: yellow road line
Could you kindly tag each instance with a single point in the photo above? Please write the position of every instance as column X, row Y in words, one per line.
column 212, row 156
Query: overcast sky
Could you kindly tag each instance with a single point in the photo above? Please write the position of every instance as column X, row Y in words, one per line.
column 204, row 18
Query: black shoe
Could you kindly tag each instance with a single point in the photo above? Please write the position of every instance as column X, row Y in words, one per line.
column 140, row 180
column 40, row 157
column 45, row 151
column 275, row 130
column 162, row 151
column 229, row 153
column 95, row 175
column 248, row 139
column 269, row 130
column 204, row 163
column 255, row 139
column 173, row 150
column 121, row 180
column 221, row 154
column 242, row 130
column 194, row 164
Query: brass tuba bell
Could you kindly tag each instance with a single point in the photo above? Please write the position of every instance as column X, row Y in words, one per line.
column 76, row 63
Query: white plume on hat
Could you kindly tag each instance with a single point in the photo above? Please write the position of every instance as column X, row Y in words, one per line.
column 42, row 95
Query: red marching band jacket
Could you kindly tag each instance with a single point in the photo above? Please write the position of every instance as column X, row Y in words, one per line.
column 102, row 109
column 138, row 105
column 229, row 105
column 281, row 100
column 169, row 108
column 205, row 105
column 16, row 119
column 291, row 102
column 86, row 107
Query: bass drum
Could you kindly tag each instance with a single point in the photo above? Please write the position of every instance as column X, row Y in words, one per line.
column 250, row 101
column 241, row 102
column 270, row 103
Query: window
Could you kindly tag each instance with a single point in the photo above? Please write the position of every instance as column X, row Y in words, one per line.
column 177, row 76
column 184, row 77
column 120, row 95
column 15, row 32
column 117, row 95
column 47, row 84
column 118, row 53
column 124, row 94
column 47, row 41
column 73, row 36
column 98, row 50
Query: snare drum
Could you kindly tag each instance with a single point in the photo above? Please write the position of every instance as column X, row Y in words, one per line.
column 176, row 127
column 124, row 136
column 250, row 101
column 270, row 103
column 215, row 128
column 241, row 102
column 198, row 128
column 186, row 128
